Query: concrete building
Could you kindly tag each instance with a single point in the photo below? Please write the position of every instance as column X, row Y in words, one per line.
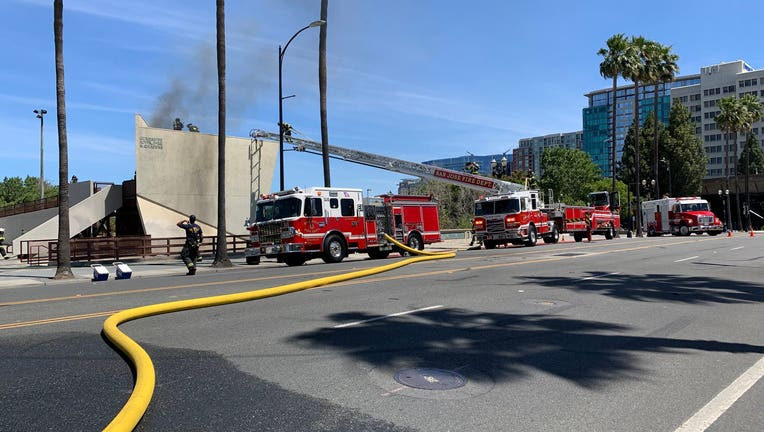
column 718, row 82
column 527, row 156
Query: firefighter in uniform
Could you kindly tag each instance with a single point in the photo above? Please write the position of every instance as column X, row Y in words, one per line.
column 2, row 247
column 190, row 250
column 588, row 220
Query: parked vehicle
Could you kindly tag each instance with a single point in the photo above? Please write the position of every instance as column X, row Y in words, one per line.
column 329, row 223
column 679, row 216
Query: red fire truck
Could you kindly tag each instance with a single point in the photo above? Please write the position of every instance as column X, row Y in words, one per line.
column 297, row 225
column 521, row 218
column 680, row 216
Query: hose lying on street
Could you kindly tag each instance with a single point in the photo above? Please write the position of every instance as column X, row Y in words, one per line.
column 145, row 379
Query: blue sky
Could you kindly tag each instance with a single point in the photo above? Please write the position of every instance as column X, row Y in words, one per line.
column 412, row 79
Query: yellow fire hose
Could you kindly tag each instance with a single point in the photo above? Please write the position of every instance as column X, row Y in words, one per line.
column 139, row 400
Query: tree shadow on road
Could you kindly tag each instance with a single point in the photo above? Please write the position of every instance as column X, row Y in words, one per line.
column 658, row 287
column 502, row 346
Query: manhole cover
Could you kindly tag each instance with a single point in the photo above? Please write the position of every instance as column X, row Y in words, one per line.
column 430, row 379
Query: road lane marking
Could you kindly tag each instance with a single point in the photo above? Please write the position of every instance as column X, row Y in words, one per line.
column 736, row 248
column 602, row 275
column 55, row 320
column 388, row 316
column 685, row 259
column 707, row 415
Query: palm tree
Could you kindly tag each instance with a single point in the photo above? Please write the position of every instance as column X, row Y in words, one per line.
column 728, row 119
column 637, row 73
column 322, row 91
column 64, row 268
column 753, row 109
column 661, row 68
column 616, row 60
column 221, row 249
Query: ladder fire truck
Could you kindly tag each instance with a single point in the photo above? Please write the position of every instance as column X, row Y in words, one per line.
column 297, row 225
column 679, row 216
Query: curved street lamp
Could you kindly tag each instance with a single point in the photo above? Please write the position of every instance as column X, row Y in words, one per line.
column 40, row 113
column 281, row 100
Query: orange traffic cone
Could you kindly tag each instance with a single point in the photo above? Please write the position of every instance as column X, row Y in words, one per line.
column 752, row 233
column 562, row 238
column 729, row 233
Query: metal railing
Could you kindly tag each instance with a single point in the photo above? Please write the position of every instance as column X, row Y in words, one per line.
column 42, row 252
column 29, row 206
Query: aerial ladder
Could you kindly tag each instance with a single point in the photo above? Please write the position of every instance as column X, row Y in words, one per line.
column 429, row 172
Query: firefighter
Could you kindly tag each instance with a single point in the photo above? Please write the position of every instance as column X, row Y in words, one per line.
column 287, row 129
column 2, row 247
column 177, row 124
column 588, row 221
column 190, row 251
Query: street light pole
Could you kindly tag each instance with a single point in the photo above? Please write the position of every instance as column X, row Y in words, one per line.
column 281, row 100
column 40, row 113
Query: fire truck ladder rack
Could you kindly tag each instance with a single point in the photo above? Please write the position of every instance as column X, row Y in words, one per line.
column 430, row 172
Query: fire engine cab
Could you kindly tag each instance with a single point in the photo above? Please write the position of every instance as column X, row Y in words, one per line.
column 297, row 225
column 516, row 218
column 679, row 216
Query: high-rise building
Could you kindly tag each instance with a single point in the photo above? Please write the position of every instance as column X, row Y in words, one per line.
column 483, row 162
column 597, row 116
column 527, row 157
column 718, row 82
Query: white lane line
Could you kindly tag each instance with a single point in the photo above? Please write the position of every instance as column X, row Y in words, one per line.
column 388, row 316
column 685, row 259
column 599, row 276
column 736, row 248
column 707, row 415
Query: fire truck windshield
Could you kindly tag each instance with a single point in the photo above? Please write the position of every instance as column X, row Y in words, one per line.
column 695, row 207
column 598, row 199
column 278, row 209
column 502, row 206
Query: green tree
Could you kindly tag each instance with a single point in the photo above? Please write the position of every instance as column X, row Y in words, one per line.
column 617, row 58
column 221, row 250
column 628, row 172
column 683, row 152
column 14, row 190
column 755, row 155
column 570, row 173
column 64, row 268
column 456, row 204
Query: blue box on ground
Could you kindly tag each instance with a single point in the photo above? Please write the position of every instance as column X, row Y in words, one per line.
column 100, row 273
column 123, row 270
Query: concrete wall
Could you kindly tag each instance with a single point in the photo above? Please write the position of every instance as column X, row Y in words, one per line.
column 177, row 170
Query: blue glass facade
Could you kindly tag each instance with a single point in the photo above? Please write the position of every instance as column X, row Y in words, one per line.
column 597, row 116
column 458, row 163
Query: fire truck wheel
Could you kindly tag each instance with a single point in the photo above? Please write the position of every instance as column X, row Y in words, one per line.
column 334, row 249
column 532, row 237
column 415, row 242
column 609, row 233
column 489, row 244
column 553, row 236
column 253, row 260
column 684, row 230
column 578, row 237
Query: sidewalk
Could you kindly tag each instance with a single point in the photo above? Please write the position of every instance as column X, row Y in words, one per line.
column 14, row 273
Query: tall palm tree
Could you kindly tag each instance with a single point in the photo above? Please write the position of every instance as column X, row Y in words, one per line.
column 752, row 113
column 615, row 62
column 728, row 119
column 662, row 68
column 637, row 73
column 64, row 268
column 322, row 91
column 221, row 249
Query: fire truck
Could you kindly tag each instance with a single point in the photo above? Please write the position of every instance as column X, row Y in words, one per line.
column 521, row 218
column 298, row 225
column 680, row 216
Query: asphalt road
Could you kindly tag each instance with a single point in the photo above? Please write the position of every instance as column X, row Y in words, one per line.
column 624, row 335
